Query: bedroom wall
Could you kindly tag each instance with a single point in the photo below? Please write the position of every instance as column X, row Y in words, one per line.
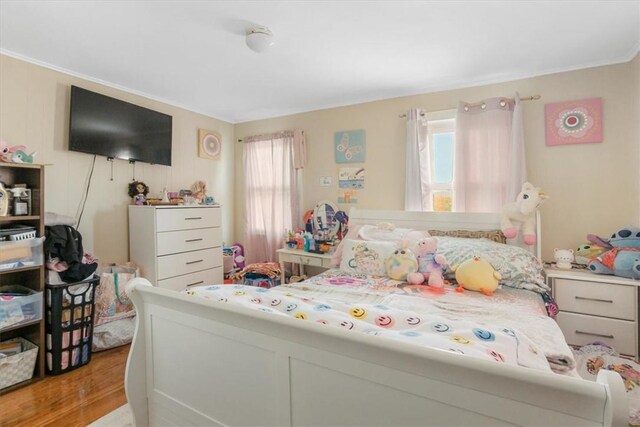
column 34, row 111
column 594, row 188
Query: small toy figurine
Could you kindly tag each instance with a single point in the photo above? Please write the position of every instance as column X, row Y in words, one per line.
column 563, row 258
column 199, row 190
column 138, row 191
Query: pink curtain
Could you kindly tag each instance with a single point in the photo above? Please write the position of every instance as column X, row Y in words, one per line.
column 489, row 155
column 272, row 166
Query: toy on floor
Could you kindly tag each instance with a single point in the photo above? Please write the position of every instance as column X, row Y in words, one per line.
column 588, row 251
column 477, row 274
column 522, row 213
column 400, row 264
column 623, row 254
column 563, row 258
column 430, row 264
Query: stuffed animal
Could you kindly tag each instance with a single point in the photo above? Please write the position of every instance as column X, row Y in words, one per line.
column 400, row 264
column 430, row 264
column 523, row 212
column 477, row 274
column 20, row 156
column 563, row 258
column 6, row 150
column 588, row 251
column 622, row 254
column 199, row 190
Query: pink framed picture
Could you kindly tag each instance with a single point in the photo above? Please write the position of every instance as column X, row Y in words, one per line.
column 573, row 122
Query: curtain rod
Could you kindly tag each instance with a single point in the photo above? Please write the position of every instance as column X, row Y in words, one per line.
column 479, row 104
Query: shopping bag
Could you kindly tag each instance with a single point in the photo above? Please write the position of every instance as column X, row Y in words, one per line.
column 112, row 302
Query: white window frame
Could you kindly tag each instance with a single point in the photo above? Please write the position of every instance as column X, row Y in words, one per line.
column 440, row 122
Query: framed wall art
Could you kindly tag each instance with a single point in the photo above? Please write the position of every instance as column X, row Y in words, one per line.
column 573, row 122
column 350, row 146
column 209, row 144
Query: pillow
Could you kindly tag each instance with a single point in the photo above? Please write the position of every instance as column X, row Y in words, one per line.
column 364, row 257
column 336, row 258
column 519, row 268
column 494, row 235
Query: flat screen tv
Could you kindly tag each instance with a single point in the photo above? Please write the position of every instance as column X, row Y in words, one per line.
column 106, row 126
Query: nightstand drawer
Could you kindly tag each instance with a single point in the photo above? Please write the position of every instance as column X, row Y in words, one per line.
column 305, row 260
column 579, row 329
column 600, row 299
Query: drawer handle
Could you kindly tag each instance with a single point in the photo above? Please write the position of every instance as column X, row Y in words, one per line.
column 194, row 262
column 192, row 217
column 192, row 240
column 594, row 334
column 196, row 283
column 595, row 299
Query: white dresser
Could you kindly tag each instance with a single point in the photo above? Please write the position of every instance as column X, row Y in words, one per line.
column 177, row 246
column 596, row 307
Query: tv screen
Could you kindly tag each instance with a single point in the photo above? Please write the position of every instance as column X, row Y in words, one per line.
column 106, row 126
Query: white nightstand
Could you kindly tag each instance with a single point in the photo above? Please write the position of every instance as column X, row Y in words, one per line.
column 303, row 258
column 596, row 307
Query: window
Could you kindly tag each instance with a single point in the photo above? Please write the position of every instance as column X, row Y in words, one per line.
column 437, row 160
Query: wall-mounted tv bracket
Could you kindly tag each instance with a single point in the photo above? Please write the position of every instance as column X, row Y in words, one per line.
column 110, row 159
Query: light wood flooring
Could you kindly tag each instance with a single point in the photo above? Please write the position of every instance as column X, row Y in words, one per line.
column 76, row 398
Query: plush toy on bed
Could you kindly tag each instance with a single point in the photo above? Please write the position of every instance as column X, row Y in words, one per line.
column 430, row 264
column 477, row 274
column 401, row 263
column 622, row 256
column 523, row 212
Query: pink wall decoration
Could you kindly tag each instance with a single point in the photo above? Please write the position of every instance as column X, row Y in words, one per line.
column 573, row 122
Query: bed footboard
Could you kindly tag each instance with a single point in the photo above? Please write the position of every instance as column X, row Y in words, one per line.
column 199, row 362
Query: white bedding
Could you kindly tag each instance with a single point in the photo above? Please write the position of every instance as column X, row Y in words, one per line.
column 509, row 309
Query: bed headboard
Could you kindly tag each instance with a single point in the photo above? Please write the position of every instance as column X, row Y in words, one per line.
column 442, row 221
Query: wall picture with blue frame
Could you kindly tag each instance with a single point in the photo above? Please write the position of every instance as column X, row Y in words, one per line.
column 350, row 146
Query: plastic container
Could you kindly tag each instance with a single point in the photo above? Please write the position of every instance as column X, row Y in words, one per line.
column 260, row 280
column 15, row 310
column 19, row 367
column 22, row 253
column 69, row 324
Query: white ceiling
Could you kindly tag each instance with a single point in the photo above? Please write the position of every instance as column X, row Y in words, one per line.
column 327, row 53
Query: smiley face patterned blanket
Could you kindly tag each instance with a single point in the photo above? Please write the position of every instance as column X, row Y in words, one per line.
column 491, row 342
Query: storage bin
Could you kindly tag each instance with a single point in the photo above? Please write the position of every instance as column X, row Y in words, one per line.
column 19, row 309
column 70, row 311
column 22, row 253
column 19, row 367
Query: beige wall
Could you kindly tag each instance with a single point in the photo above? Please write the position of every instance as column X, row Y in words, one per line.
column 34, row 106
column 594, row 188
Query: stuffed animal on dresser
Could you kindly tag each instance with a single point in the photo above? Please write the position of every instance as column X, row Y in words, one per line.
column 522, row 214
column 563, row 258
column 430, row 264
column 622, row 256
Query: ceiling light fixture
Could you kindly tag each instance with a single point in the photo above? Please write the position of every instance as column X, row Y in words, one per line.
column 259, row 39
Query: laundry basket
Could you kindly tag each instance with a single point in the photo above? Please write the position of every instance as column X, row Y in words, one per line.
column 69, row 327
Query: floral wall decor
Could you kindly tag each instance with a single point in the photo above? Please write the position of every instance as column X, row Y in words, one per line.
column 573, row 122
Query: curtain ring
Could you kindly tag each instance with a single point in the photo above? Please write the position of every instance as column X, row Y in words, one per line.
column 483, row 106
column 466, row 108
column 503, row 103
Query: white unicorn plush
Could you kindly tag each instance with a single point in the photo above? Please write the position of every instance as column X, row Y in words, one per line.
column 523, row 212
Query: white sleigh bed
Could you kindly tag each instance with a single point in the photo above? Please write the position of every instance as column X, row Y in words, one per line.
column 200, row 362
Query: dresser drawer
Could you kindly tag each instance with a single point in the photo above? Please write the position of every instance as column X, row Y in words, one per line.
column 171, row 242
column 187, row 218
column 207, row 277
column 579, row 329
column 188, row 262
column 600, row 299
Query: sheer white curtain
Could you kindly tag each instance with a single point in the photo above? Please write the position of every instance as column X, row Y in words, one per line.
column 489, row 167
column 272, row 166
column 417, row 164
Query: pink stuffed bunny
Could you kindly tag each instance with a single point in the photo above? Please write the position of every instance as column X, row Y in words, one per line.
column 6, row 150
column 430, row 264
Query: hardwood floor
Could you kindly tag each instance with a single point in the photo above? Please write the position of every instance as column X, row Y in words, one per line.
column 76, row 398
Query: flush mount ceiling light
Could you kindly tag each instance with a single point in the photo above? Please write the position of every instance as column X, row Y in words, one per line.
column 259, row 39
